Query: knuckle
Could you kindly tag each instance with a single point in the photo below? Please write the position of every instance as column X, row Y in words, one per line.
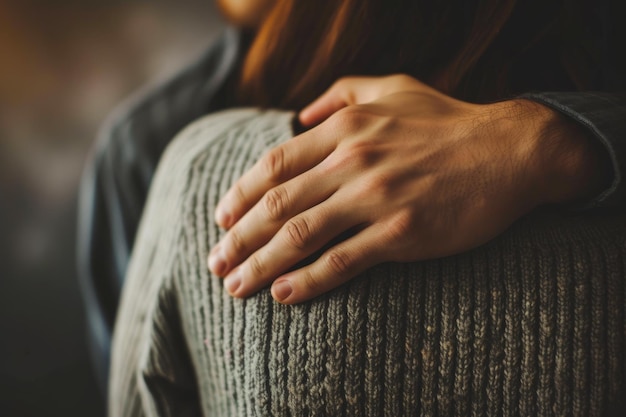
column 298, row 233
column 275, row 203
column 375, row 188
column 401, row 78
column 236, row 241
column 350, row 119
column 358, row 153
column 399, row 228
column 344, row 88
column 343, row 82
column 273, row 164
column 338, row 262
column 402, row 82
column 312, row 283
column 256, row 266
column 338, row 161
column 380, row 184
column 238, row 192
column 363, row 154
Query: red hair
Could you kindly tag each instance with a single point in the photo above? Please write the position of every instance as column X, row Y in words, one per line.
column 465, row 48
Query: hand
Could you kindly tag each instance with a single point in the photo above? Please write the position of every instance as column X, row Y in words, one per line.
column 409, row 172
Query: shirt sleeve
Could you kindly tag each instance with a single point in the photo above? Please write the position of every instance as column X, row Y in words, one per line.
column 604, row 116
column 118, row 174
column 601, row 107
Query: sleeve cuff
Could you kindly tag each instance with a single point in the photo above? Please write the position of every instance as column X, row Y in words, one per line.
column 604, row 116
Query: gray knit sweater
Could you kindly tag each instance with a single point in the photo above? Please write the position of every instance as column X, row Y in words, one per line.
column 530, row 324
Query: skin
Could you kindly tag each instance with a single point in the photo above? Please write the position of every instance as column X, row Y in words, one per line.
column 246, row 13
column 409, row 172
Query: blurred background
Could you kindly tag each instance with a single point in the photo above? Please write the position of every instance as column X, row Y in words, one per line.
column 64, row 64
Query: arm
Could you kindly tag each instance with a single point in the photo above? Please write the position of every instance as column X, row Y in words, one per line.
column 117, row 178
column 407, row 172
column 464, row 333
column 603, row 117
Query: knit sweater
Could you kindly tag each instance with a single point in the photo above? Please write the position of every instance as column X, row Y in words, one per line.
column 529, row 324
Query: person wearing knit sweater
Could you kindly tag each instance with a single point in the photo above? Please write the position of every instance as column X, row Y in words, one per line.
column 408, row 230
column 530, row 324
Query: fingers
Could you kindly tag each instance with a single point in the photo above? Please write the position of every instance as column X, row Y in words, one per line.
column 293, row 201
column 336, row 266
column 276, row 207
column 279, row 165
column 298, row 238
column 308, row 149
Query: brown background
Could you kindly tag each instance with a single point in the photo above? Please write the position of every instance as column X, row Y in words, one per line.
column 64, row 64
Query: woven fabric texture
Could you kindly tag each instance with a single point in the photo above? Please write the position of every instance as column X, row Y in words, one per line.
column 531, row 324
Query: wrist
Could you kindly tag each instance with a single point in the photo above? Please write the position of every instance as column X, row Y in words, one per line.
column 575, row 164
column 565, row 163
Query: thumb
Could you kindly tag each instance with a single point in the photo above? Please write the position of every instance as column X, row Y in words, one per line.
column 349, row 91
column 345, row 92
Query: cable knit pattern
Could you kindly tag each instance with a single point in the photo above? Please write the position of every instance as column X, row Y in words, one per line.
column 531, row 324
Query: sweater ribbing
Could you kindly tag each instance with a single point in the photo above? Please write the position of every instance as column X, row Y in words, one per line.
column 531, row 323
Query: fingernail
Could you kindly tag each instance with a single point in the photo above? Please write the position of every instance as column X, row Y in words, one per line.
column 217, row 263
column 233, row 282
column 222, row 218
column 281, row 290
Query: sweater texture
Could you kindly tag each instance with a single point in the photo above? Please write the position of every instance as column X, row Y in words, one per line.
column 530, row 324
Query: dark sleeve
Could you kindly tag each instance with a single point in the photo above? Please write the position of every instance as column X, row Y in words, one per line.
column 118, row 174
column 604, row 116
column 602, row 111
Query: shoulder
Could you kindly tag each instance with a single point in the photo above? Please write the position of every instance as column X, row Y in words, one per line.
column 134, row 135
column 236, row 137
